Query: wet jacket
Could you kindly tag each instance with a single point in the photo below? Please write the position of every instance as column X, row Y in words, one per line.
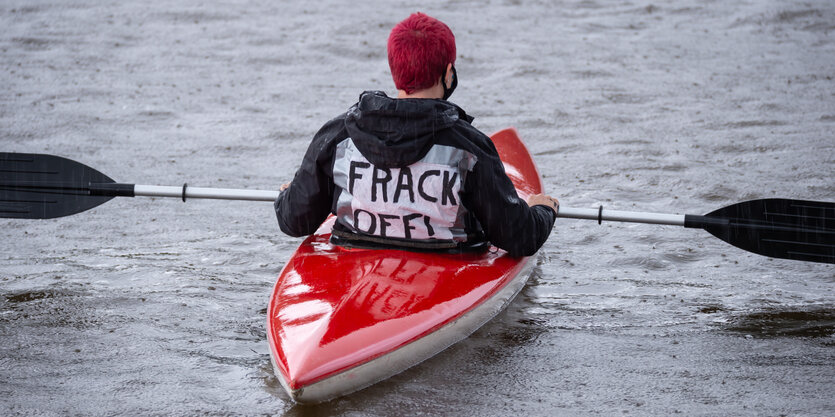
column 410, row 173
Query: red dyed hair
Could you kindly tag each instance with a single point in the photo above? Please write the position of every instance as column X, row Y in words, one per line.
column 419, row 49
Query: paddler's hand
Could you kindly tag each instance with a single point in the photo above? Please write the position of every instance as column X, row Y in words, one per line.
column 544, row 200
column 284, row 186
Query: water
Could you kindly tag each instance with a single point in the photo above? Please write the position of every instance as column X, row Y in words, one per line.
column 152, row 306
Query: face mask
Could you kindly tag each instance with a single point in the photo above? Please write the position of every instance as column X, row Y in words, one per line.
column 448, row 91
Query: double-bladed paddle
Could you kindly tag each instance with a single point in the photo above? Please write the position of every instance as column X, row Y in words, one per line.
column 37, row 186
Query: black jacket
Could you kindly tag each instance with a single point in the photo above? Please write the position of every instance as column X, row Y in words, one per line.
column 396, row 133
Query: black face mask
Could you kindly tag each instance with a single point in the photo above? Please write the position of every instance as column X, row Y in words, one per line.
column 448, row 91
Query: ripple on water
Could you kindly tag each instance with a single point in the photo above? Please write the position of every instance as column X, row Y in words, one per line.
column 153, row 115
column 197, row 17
column 649, row 262
column 523, row 332
column 26, row 296
column 805, row 17
column 626, row 98
column 712, row 309
column 683, row 257
column 33, row 43
column 588, row 74
column 52, row 307
column 719, row 193
column 742, row 124
column 772, row 323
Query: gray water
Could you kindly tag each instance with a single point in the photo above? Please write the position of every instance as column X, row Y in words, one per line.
column 152, row 306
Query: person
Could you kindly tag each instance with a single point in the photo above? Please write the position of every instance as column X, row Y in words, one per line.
column 411, row 172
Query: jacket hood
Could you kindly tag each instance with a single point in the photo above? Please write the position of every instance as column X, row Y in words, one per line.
column 393, row 132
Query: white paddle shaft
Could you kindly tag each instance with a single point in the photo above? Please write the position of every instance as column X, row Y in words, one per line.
column 621, row 216
column 186, row 192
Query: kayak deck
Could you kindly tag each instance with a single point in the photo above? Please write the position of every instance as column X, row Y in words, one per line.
column 341, row 319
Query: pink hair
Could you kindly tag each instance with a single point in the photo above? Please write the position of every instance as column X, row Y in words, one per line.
column 419, row 49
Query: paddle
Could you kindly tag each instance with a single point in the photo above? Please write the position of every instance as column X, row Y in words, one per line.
column 776, row 227
column 36, row 186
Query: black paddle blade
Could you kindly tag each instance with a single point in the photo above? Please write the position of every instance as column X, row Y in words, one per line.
column 35, row 186
column 776, row 227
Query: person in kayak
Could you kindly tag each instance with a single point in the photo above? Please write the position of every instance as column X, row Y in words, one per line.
column 412, row 172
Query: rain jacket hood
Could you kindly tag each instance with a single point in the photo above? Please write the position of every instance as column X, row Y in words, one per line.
column 398, row 132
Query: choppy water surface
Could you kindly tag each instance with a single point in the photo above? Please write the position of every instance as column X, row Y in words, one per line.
column 152, row 306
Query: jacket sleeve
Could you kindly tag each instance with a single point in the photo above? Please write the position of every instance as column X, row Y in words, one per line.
column 306, row 203
column 507, row 220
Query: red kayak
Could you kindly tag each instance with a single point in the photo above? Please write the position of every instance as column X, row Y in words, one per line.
column 342, row 319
